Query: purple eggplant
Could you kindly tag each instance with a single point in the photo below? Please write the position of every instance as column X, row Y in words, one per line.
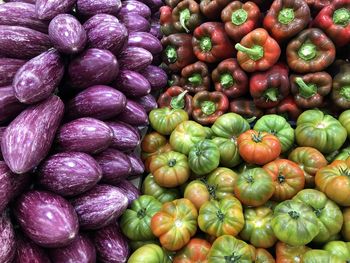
column 7, row 239
column 106, row 32
column 10, row 107
column 86, row 135
column 39, row 77
column 93, row 67
column 2, row 131
column 21, row 14
column 137, row 166
column 100, row 206
column 48, row 9
column 93, row 7
column 126, row 137
column 135, row 58
column 46, row 218
column 21, row 42
column 156, row 29
column 100, row 102
column 155, row 76
column 129, row 190
column 115, row 166
column 8, row 69
column 145, row 40
column 111, row 245
column 134, row 114
column 148, row 102
column 28, row 138
column 135, row 23
column 21, row 1
column 81, row 250
column 132, row 83
column 154, row 5
column 67, row 34
column 135, row 7
column 69, row 173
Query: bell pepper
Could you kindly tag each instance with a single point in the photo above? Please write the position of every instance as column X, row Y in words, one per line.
column 264, row 5
column 230, row 79
column 240, row 19
column 211, row 43
column 178, row 52
column 195, row 77
column 208, row 106
column 165, row 20
column 286, row 108
column 257, row 51
column 309, row 90
column 317, row 5
column 172, row 3
column 174, row 80
column 334, row 20
column 341, row 87
column 186, row 16
column 270, row 87
column 176, row 98
column 310, row 51
column 246, row 108
column 212, row 8
column 286, row 18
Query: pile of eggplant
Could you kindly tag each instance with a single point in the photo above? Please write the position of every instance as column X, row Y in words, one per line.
column 76, row 84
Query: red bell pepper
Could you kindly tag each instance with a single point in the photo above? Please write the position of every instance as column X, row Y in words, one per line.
column 341, row 87
column 174, row 80
column 264, row 5
column 211, row 43
column 270, row 87
column 317, row 5
column 334, row 20
column 212, row 8
column 176, row 98
column 230, row 79
column 186, row 16
column 195, row 77
column 165, row 20
column 172, row 3
column 246, row 108
column 287, row 108
column 257, row 51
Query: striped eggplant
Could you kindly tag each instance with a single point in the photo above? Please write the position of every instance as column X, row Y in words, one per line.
column 137, row 166
column 132, row 83
column 135, row 22
column 28, row 138
column 129, row 190
column 37, row 79
column 148, row 102
column 126, row 137
column 135, row 7
column 156, row 28
column 155, row 76
column 2, row 131
column 48, row 9
column 10, row 107
column 8, row 69
column 145, row 40
column 28, row 251
column 134, row 114
column 135, row 58
column 21, row 1
column 7, row 239
column 93, row 7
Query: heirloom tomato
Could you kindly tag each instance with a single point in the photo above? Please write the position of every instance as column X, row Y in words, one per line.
column 343, row 154
column 162, row 194
column 263, row 256
column 320, row 256
column 344, row 119
column 165, row 120
column 149, row 253
column 196, row 251
column 230, row 126
column 229, row 155
column 346, row 225
column 290, row 254
column 137, row 244
column 340, row 249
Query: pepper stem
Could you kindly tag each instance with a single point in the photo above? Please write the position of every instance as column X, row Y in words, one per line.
column 306, row 90
column 226, row 80
column 271, row 94
column 345, row 92
column 205, row 44
column 286, row 15
column 307, row 51
column 341, row 17
column 239, row 17
column 208, row 107
column 255, row 52
column 178, row 101
column 185, row 15
column 195, row 79
column 171, row 54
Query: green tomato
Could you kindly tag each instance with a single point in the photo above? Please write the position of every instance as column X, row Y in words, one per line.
column 137, row 244
column 278, row 126
column 165, row 120
column 149, row 253
column 209, row 133
column 136, row 221
column 343, row 154
column 204, row 157
column 230, row 125
column 229, row 155
column 320, row 256
column 319, row 130
column 339, row 249
column 344, row 119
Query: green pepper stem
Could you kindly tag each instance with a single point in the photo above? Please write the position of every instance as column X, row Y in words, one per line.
column 255, row 52
column 185, row 15
column 271, row 94
column 307, row 51
column 305, row 90
column 345, row 92
column 286, row 15
column 251, row 119
column 205, row 44
column 171, row 54
column 294, row 214
column 196, row 79
column 178, row 101
column 341, row 17
column 226, row 80
column 239, row 17
column 208, row 107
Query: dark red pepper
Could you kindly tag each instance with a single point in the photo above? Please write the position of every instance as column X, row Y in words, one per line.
column 174, row 80
column 317, row 5
column 246, row 108
column 341, row 87
column 186, row 16
column 165, row 20
column 176, row 98
column 287, row 108
column 195, row 77
column 212, row 8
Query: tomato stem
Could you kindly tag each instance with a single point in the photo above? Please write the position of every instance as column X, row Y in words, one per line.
column 294, row 214
column 141, row 213
column 257, row 137
column 172, row 163
column 220, row 215
column 281, row 178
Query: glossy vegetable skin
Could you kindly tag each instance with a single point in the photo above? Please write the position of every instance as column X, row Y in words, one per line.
column 176, row 97
column 195, row 251
column 289, row 254
column 165, row 120
column 149, row 253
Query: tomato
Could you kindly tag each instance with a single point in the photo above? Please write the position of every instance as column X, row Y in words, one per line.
column 229, row 155
column 163, row 195
column 339, row 249
column 209, row 133
column 204, row 157
column 175, row 224
column 254, row 187
column 165, row 120
column 137, row 244
column 277, row 125
column 346, row 225
column 320, row 256
column 224, row 217
column 288, row 177
column 295, row 223
column 198, row 192
column 310, row 161
column 257, row 229
column 290, row 254
column 230, row 126
column 263, row 256
column 258, row 147
column 317, row 130
column 135, row 222
column 334, row 181
column 343, row 154
column 149, row 253
column 186, row 135
column 328, row 213
column 344, row 119
column 195, row 251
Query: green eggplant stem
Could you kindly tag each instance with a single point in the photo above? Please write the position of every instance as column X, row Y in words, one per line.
column 257, row 137
column 171, row 54
column 226, row 80
column 205, row 44
column 286, row 15
column 178, row 101
column 271, row 94
column 185, row 16
column 345, row 92
column 305, row 90
column 255, row 53
column 172, row 163
column 239, row 17
column 307, row 51
column 208, row 107
column 341, row 17
column 196, row 79
column 294, row 214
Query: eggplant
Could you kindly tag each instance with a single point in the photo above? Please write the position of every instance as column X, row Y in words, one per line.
column 126, row 137
column 137, row 166
column 46, row 218
column 111, row 245
column 21, row 42
column 135, row 58
column 67, row 34
column 145, row 40
column 28, row 138
column 134, row 114
column 2, row 131
column 156, row 29
column 135, row 7
column 21, row 1
column 129, row 190
column 81, row 250
column 93, row 7
column 100, row 102
column 86, row 135
column 155, row 76
column 148, row 102
column 69, row 173
column 93, row 67
column 8, row 69
column 132, row 83
column 115, row 166
column 99, row 206
column 21, row 14
column 37, row 79
column 48, row 9
column 7, row 239
column 135, row 22
column 106, row 32
column 10, row 107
